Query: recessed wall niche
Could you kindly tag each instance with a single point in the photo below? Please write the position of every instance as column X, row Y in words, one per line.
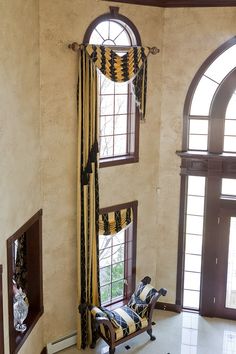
column 1, row 315
column 24, row 260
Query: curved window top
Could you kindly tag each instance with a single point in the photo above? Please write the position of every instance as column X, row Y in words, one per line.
column 210, row 106
column 210, row 81
column 112, row 33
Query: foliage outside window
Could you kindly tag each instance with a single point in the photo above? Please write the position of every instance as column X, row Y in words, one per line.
column 119, row 116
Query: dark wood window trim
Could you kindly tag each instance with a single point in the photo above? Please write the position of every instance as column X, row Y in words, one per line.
column 33, row 232
column 131, row 267
column 1, row 315
column 132, row 157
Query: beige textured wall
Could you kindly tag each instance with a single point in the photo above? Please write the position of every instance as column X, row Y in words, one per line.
column 61, row 23
column 20, row 193
column 190, row 36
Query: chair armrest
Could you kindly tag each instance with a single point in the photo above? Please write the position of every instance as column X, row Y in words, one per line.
column 151, row 306
column 106, row 323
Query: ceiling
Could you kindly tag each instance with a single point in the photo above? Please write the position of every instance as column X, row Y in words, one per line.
column 180, row 3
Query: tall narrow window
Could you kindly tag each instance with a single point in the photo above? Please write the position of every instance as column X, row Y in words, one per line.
column 206, row 268
column 117, row 254
column 118, row 113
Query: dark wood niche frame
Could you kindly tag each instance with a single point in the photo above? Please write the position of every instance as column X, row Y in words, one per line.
column 179, row 3
column 33, row 232
column 1, row 316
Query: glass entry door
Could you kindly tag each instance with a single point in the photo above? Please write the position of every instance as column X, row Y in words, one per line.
column 225, row 297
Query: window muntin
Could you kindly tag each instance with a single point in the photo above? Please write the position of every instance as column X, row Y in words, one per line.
column 203, row 96
column 117, row 107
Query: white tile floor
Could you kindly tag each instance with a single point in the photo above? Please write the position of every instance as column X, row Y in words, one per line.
column 185, row 333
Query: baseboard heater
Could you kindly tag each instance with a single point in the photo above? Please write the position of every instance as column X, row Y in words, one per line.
column 62, row 343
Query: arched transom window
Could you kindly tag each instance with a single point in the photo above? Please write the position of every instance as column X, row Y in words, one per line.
column 211, row 109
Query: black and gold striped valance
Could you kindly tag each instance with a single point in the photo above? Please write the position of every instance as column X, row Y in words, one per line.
column 130, row 66
column 115, row 221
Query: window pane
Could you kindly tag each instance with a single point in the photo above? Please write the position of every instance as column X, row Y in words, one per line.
column 120, row 144
column 118, row 289
column 198, row 126
column 192, row 263
column 203, row 96
column 191, row 299
column 96, row 38
column 196, row 185
column 106, row 146
column 104, row 241
column 107, row 105
column 122, row 39
column 192, row 281
column 121, row 87
column 231, row 276
column 121, row 124
column 230, row 144
column 105, row 257
column 118, row 271
column 118, row 253
column 193, row 244
column 222, row 65
column 106, row 125
column 105, row 275
column 195, row 205
column 230, row 127
column 115, row 29
column 103, row 28
column 121, row 104
column 194, row 225
column 198, row 142
column 107, row 87
column 231, row 108
column 118, row 238
column 228, row 186
column 105, row 293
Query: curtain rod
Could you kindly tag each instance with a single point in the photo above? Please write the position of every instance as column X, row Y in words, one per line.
column 75, row 46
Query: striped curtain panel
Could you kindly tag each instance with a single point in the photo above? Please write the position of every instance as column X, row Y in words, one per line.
column 130, row 66
column 115, row 221
column 87, row 197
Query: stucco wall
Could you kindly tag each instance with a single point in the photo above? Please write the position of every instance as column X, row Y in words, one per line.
column 190, row 36
column 20, row 194
column 62, row 23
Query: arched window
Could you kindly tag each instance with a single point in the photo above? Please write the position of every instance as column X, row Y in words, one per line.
column 207, row 236
column 119, row 117
column 210, row 107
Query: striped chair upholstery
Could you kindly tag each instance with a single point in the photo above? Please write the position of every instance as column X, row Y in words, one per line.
column 128, row 321
column 145, row 292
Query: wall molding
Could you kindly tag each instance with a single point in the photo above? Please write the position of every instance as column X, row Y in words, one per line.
column 180, row 3
column 168, row 307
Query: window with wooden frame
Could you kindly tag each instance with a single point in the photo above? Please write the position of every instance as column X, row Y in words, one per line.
column 207, row 243
column 117, row 109
column 117, row 259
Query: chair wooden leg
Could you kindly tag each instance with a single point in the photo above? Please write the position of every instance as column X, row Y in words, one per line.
column 149, row 332
column 112, row 350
